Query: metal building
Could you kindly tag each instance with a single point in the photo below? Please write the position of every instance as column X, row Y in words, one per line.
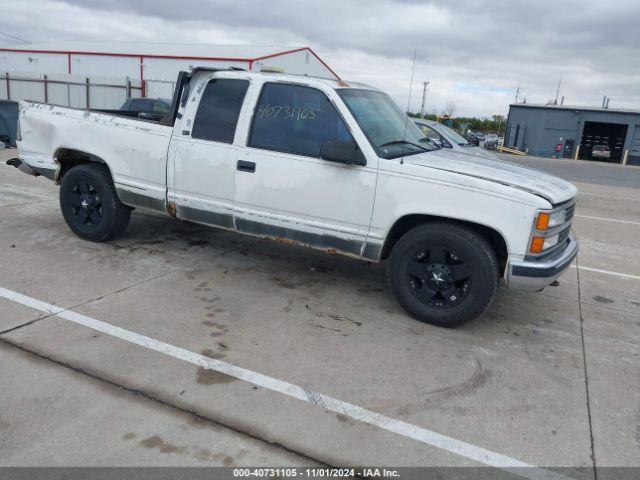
column 586, row 133
column 153, row 66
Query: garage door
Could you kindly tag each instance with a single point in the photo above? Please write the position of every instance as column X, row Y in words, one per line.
column 634, row 149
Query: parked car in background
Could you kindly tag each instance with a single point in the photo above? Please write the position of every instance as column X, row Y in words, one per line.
column 445, row 137
column 491, row 141
column 600, row 152
column 148, row 108
column 8, row 122
column 472, row 138
column 313, row 162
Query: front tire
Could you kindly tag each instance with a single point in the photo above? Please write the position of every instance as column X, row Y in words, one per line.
column 443, row 274
column 90, row 205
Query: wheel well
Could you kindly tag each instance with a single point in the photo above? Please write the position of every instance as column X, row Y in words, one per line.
column 406, row 223
column 68, row 158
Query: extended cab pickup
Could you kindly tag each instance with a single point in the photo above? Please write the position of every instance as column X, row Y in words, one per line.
column 321, row 163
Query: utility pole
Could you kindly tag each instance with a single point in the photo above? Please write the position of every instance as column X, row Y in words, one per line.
column 557, row 92
column 424, row 96
column 413, row 70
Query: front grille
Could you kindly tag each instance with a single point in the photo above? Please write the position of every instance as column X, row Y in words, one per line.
column 569, row 212
column 564, row 234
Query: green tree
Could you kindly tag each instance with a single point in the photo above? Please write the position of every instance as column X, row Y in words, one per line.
column 495, row 124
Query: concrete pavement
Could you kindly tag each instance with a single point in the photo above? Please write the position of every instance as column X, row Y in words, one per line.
column 548, row 379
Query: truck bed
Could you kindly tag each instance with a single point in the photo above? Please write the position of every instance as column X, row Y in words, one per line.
column 133, row 148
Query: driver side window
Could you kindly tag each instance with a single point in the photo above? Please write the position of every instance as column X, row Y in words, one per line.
column 295, row 119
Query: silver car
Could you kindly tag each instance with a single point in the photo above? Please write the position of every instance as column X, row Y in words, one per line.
column 445, row 137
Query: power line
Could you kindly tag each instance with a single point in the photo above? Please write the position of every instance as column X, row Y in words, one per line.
column 14, row 37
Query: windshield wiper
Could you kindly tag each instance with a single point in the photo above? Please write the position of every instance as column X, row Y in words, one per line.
column 403, row 142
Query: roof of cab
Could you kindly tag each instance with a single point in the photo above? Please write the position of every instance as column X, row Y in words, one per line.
column 288, row 77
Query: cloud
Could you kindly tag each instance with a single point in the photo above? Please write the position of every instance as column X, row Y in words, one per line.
column 474, row 53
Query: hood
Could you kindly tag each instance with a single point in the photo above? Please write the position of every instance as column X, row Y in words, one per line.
column 551, row 188
column 478, row 152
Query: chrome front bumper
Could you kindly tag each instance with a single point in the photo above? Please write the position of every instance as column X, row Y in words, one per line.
column 534, row 276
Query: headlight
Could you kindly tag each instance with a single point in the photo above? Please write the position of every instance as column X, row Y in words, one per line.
column 550, row 241
column 540, row 244
column 548, row 220
column 548, row 227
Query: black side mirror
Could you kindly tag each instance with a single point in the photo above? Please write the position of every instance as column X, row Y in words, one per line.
column 343, row 152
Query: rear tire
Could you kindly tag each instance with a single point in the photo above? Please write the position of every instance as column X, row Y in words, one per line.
column 90, row 204
column 443, row 274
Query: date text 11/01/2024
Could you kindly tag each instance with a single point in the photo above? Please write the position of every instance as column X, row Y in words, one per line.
column 293, row 472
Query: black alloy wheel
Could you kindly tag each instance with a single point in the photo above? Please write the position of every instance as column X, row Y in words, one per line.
column 90, row 204
column 443, row 273
column 439, row 277
column 85, row 206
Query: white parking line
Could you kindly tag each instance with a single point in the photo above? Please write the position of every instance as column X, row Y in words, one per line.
column 608, row 219
column 617, row 197
column 304, row 394
column 608, row 272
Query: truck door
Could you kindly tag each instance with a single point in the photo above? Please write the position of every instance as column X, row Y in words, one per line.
column 283, row 189
column 203, row 152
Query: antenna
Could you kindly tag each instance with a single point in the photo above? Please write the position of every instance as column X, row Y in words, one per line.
column 413, row 69
column 517, row 93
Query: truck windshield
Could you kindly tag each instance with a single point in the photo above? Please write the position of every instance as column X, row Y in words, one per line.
column 391, row 132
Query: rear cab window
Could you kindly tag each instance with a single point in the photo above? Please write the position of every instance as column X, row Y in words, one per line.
column 217, row 115
column 295, row 119
column 141, row 105
column 160, row 107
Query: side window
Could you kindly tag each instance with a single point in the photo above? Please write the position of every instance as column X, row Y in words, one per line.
column 431, row 134
column 219, row 108
column 295, row 119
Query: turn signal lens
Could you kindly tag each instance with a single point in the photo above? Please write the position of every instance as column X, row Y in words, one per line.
column 543, row 221
column 536, row 244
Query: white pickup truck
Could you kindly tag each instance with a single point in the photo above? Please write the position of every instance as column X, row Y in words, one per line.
column 321, row 163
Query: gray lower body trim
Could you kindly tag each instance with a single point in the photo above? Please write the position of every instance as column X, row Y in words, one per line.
column 142, row 201
column 224, row 220
column 372, row 251
column 324, row 242
column 49, row 173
